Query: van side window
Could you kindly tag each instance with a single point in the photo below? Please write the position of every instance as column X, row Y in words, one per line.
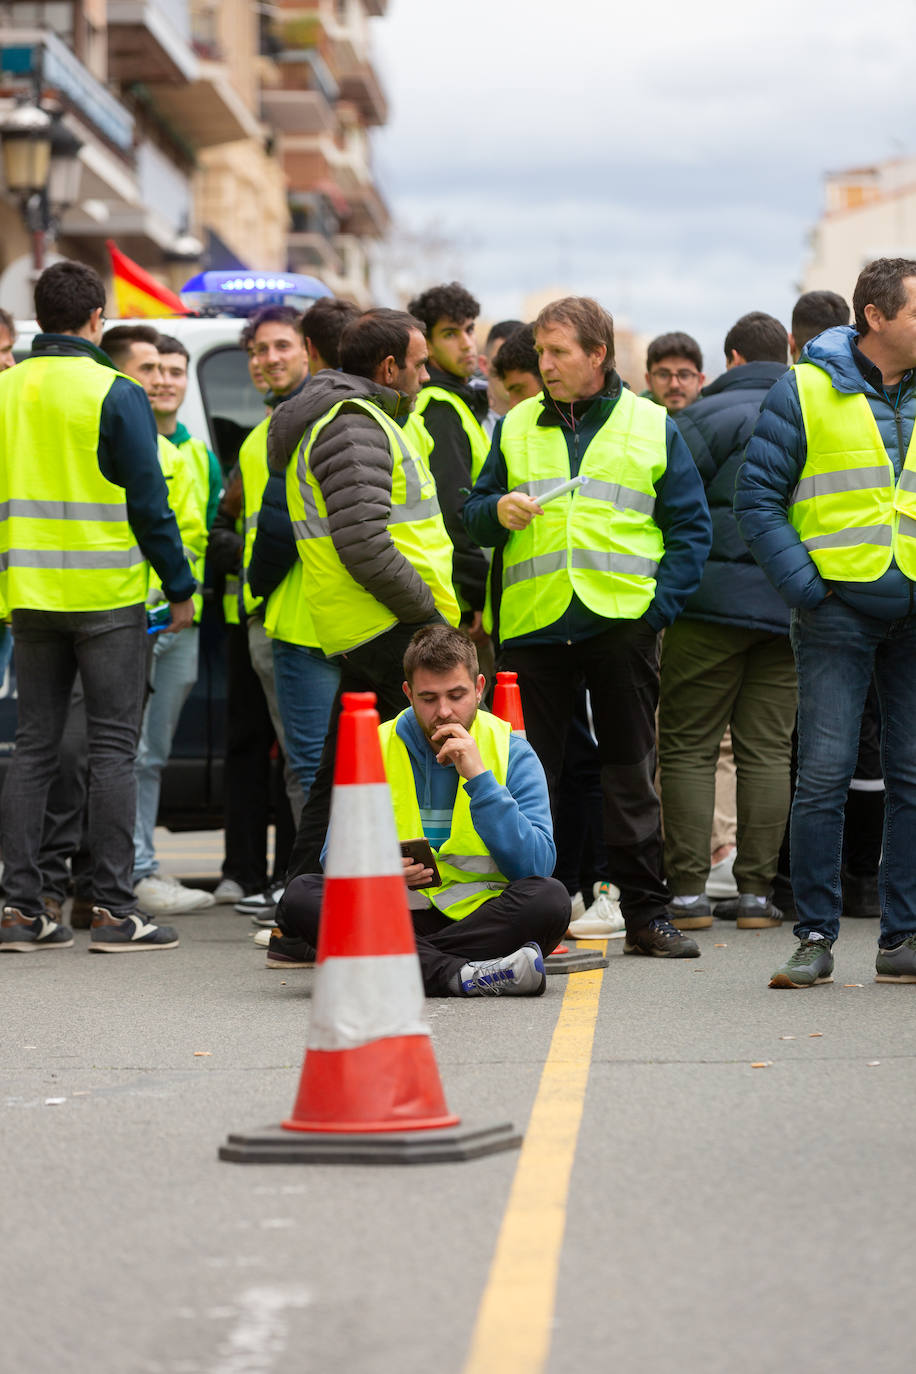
column 232, row 404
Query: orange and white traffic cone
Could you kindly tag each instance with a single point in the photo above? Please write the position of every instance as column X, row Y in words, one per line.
column 369, row 1087
column 369, row 1063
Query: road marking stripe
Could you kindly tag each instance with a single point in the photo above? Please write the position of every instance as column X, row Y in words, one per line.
column 516, row 1311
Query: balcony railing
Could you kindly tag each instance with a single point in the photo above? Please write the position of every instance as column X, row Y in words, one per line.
column 26, row 53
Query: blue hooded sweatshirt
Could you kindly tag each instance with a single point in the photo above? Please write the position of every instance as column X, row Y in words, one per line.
column 776, row 454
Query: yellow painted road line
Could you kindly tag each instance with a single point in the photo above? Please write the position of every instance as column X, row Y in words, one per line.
column 515, row 1320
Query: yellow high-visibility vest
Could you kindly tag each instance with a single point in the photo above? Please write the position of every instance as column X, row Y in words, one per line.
column 480, row 444
column 65, row 540
column 345, row 615
column 851, row 513
column 192, row 526
column 469, row 875
column 600, row 541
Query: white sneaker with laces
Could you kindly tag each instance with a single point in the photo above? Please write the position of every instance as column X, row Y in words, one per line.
column 603, row 920
column 159, row 895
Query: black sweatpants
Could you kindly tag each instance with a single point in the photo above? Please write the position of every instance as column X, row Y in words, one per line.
column 529, row 909
column 620, row 669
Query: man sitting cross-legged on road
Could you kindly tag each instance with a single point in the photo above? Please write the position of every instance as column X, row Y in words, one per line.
column 479, row 795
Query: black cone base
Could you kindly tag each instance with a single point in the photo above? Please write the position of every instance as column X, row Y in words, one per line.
column 575, row 961
column 274, row 1145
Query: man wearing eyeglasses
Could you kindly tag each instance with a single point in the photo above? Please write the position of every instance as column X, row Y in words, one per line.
column 674, row 371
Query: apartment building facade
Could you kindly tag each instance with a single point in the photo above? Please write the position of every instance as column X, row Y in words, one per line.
column 869, row 212
column 195, row 123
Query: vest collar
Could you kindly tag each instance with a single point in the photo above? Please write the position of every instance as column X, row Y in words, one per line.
column 474, row 397
column 68, row 346
column 559, row 413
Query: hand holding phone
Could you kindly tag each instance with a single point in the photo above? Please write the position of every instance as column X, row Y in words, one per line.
column 420, row 854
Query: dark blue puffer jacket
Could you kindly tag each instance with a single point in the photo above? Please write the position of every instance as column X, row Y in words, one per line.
column 733, row 589
column 773, row 463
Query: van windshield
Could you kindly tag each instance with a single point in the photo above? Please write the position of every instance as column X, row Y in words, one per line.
column 232, row 404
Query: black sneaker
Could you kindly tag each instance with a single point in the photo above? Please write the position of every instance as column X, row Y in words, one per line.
column 695, row 915
column 21, row 934
column 133, row 932
column 261, row 906
column 286, row 951
column 661, row 940
column 748, row 913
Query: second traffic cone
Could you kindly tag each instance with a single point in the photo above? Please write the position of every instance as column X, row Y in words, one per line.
column 369, row 1062
column 507, row 702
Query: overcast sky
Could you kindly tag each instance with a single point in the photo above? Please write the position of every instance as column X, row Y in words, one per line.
column 665, row 157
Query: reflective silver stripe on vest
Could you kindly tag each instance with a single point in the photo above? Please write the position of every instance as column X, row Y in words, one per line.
column 250, row 521
column 907, row 526
column 458, row 891
column 470, row 863
column 108, row 511
column 421, row 510
column 907, row 481
column 598, row 560
column 541, row 566
column 627, row 498
column 844, row 539
column 589, row 560
column 830, row 483
column 71, row 558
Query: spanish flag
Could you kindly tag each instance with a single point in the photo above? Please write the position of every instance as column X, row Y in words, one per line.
column 137, row 294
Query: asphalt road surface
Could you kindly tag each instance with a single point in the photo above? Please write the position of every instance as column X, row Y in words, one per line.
column 673, row 1210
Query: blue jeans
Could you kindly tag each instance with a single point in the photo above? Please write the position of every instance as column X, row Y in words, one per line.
column 172, row 675
column 837, row 651
column 108, row 650
column 306, row 683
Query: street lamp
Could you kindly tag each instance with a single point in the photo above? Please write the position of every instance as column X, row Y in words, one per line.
column 41, row 166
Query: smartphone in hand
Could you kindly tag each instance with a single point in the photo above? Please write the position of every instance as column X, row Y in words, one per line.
column 420, row 852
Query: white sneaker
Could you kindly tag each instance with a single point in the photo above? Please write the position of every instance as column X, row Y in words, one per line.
column 228, row 890
column 578, row 907
column 603, row 920
column 262, row 936
column 163, row 896
column 721, row 881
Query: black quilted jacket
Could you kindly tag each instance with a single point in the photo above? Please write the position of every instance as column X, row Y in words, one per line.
column 351, row 462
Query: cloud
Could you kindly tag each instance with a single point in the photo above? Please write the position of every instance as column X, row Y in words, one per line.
column 665, row 155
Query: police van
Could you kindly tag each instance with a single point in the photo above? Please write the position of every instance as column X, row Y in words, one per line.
column 221, row 407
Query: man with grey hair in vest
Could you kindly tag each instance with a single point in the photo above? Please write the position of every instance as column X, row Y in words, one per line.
column 826, row 501
column 593, row 499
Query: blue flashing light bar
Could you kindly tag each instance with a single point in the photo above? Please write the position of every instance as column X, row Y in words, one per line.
column 241, row 292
